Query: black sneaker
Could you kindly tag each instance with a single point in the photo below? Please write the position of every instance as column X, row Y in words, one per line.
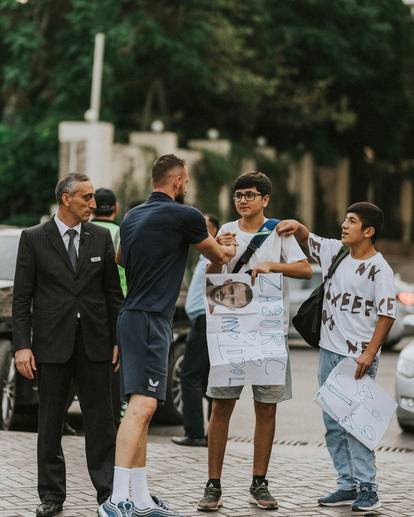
column 366, row 502
column 211, row 501
column 261, row 497
column 339, row 498
column 189, row 442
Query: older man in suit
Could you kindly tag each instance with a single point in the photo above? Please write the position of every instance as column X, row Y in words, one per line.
column 66, row 301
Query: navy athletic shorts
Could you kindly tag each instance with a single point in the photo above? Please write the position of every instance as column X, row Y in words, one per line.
column 144, row 340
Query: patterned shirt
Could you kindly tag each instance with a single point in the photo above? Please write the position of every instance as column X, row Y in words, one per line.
column 357, row 294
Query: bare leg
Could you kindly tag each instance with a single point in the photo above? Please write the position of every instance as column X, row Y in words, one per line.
column 263, row 436
column 131, row 441
column 218, row 429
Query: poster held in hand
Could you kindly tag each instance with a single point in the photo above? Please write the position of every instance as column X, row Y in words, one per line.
column 362, row 407
column 245, row 330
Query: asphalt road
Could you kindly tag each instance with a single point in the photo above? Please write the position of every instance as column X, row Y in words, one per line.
column 300, row 419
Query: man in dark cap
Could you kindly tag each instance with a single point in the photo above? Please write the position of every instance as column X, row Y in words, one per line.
column 106, row 212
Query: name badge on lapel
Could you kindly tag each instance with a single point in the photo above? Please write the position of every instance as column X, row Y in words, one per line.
column 95, row 259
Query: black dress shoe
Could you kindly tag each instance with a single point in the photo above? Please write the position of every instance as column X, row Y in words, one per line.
column 189, row 442
column 48, row 509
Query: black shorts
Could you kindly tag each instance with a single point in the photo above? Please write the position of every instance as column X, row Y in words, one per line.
column 144, row 340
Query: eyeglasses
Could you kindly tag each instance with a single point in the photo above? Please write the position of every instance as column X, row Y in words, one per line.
column 248, row 196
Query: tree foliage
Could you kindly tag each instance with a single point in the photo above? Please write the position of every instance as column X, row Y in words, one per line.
column 333, row 77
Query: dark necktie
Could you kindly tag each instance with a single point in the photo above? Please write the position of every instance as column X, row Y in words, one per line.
column 71, row 248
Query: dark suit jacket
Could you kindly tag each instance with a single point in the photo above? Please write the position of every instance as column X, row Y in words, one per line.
column 46, row 282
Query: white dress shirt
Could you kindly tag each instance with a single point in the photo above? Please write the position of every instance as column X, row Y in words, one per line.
column 65, row 236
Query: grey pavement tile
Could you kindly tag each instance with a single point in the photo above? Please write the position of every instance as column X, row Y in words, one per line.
column 297, row 478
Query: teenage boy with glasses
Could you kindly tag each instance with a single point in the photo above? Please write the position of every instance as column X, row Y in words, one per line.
column 251, row 193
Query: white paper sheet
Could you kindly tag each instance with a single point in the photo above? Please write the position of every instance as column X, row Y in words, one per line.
column 362, row 407
column 245, row 338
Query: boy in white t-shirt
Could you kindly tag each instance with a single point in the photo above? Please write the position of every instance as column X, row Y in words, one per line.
column 251, row 195
column 358, row 311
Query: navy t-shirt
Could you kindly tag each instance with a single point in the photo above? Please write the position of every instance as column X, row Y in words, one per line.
column 155, row 237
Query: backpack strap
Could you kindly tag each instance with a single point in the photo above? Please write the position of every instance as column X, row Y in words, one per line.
column 342, row 253
column 258, row 239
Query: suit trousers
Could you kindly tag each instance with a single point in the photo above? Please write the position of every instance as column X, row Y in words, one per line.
column 93, row 386
column 194, row 378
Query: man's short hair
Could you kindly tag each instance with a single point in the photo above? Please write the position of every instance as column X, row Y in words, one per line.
column 69, row 185
column 163, row 165
column 105, row 202
column 254, row 179
column 370, row 215
column 213, row 220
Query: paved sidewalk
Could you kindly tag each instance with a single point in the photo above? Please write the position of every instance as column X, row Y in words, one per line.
column 297, row 475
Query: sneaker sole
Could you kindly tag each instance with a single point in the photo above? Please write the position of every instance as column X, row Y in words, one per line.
column 339, row 503
column 212, row 508
column 252, row 500
column 367, row 511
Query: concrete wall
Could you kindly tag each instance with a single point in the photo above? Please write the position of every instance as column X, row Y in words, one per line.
column 221, row 146
column 335, row 186
column 302, row 182
column 131, row 180
column 87, row 147
column 163, row 143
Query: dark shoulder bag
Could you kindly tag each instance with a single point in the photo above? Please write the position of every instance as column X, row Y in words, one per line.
column 259, row 237
column 307, row 321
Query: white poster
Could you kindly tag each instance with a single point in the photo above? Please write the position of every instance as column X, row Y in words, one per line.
column 362, row 407
column 245, row 336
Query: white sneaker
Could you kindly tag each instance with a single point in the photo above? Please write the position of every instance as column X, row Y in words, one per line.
column 122, row 509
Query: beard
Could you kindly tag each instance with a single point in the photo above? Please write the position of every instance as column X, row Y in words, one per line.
column 180, row 197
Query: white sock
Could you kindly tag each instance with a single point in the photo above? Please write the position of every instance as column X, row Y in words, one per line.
column 120, row 490
column 139, row 489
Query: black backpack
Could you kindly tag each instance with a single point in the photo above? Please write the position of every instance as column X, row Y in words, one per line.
column 307, row 321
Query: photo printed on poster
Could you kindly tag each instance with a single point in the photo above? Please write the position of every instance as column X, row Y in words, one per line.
column 245, row 330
